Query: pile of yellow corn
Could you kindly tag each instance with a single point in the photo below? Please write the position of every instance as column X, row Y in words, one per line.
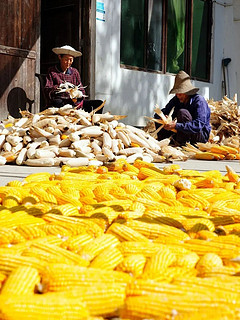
column 127, row 241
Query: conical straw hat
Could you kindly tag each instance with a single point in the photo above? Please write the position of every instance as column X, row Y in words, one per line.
column 183, row 84
column 67, row 50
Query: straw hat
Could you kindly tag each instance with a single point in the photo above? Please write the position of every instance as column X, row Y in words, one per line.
column 67, row 50
column 183, row 84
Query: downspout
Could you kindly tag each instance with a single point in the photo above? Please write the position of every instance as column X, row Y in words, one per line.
column 92, row 25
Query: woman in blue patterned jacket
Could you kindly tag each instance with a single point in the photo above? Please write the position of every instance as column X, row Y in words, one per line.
column 191, row 115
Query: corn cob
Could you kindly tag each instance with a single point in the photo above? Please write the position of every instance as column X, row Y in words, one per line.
column 62, row 277
column 197, row 224
column 152, row 231
column 188, row 260
column 31, row 232
column 152, row 307
column 43, row 307
column 90, row 227
column 66, row 209
column 133, row 265
column 10, row 261
column 76, row 243
column 95, row 247
column 57, row 230
column 58, row 251
column 124, row 233
column 21, row 281
column 161, row 260
column 108, row 259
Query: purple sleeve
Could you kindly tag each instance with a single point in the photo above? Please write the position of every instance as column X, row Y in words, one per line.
column 200, row 112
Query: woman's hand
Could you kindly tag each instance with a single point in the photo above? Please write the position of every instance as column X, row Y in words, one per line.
column 170, row 126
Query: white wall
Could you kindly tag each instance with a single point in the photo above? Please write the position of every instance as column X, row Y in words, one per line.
column 135, row 93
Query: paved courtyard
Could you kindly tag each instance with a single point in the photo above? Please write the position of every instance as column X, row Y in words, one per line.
column 14, row 172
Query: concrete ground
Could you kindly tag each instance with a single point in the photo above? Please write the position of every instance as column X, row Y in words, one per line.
column 14, row 172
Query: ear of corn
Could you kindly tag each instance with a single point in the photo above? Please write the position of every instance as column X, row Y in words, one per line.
column 21, row 281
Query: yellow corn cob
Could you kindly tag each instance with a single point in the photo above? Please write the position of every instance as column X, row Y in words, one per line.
column 10, row 261
column 11, row 201
column 99, row 302
column 161, row 260
column 66, row 209
column 86, row 192
column 138, row 163
column 149, row 172
column 137, row 247
column 156, row 216
column 208, row 261
column 37, row 177
column 31, row 232
column 101, row 193
column 202, row 247
column 43, row 307
column 68, row 198
column 124, row 233
column 222, row 221
column 62, row 277
column 45, row 256
column 108, row 259
column 232, row 175
column 30, row 200
column 131, row 188
column 205, row 235
column 108, row 213
column 43, row 195
column 197, row 224
column 54, row 229
column 10, row 236
column 152, row 231
column 58, row 251
column 204, row 156
column 188, row 260
column 133, row 264
column 21, row 281
column 90, row 227
column 95, row 247
column 136, row 206
column 167, row 192
column 76, row 243
column 152, row 307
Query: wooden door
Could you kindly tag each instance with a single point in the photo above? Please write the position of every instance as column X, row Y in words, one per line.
column 20, row 29
column 65, row 22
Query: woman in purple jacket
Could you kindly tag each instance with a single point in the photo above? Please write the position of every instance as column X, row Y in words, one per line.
column 191, row 115
column 64, row 72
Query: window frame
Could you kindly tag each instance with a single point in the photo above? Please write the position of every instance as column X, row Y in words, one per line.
column 188, row 41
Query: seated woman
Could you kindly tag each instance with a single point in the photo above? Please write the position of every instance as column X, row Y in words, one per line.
column 191, row 114
column 64, row 72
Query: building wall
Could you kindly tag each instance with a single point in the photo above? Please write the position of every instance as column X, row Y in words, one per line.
column 135, row 93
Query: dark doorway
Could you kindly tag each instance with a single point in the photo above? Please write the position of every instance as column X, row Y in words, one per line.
column 65, row 22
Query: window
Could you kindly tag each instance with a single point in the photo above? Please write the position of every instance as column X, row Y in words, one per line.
column 167, row 36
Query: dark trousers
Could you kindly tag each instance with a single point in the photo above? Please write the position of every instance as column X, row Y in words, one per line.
column 88, row 105
column 181, row 138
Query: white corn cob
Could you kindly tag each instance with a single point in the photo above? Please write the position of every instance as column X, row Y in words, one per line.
column 124, row 138
column 22, row 156
column 95, row 147
column 2, row 140
column 44, row 162
column 3, row 160
column 55, row 140
column 107, row 140
column 130, row 151
column 65, row 143
column 42, row 153
column 13, row 140
column 93, row 131
column 77, row 162
column 7, row 146
column 133, row 157
column 21, row 122
column 65, row 152
column 108, row 153
column 17, row 148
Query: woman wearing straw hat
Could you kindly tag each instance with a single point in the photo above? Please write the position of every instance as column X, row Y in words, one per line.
column 191, row 113
column 64, row 72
